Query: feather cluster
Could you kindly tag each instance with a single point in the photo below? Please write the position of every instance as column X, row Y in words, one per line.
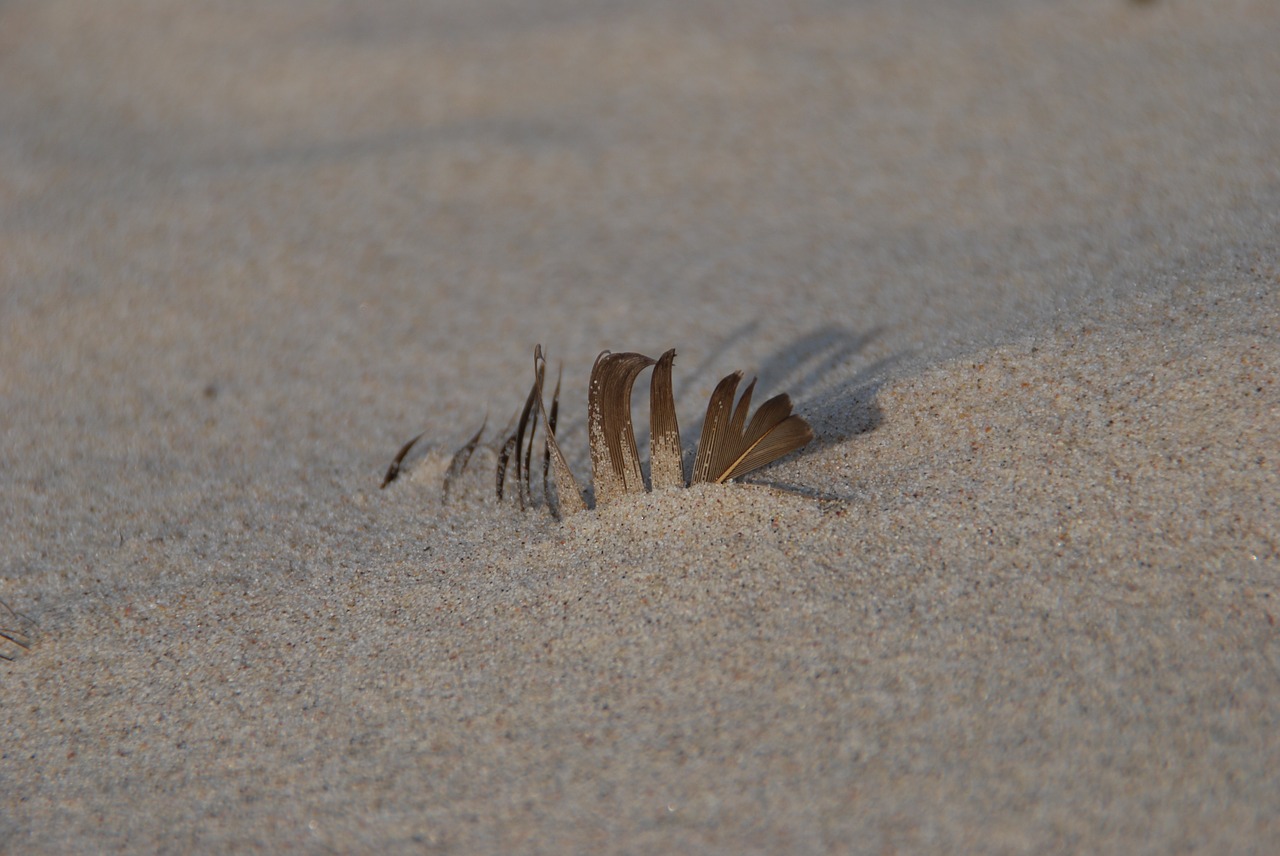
column 731, row 444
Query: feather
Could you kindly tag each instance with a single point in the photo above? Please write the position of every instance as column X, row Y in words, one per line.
column 666, row 458
column 715, row 427
column 460, row 458
column 529, row 419
column 393, row 471
column 615, row 461
column 567, row 489
column 551, row 429
column 504, row 458
column 731, row 445
column 727, row 450
column 514, row 446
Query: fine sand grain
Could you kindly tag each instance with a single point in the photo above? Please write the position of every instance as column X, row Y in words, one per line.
column 1015, row 262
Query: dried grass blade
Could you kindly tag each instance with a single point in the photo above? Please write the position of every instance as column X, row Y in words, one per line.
column 393, row 471
column 567, row 487
column 462, row 457
column 615, row 460
column 715, row 428
column 666, row 458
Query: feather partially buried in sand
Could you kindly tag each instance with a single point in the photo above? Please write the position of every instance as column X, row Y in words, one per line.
column 615, row 460
column 730, row 446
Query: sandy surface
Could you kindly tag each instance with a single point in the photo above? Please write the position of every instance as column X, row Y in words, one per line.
column 1016, row 262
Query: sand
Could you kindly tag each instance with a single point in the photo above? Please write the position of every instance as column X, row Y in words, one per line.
column 1015, row 262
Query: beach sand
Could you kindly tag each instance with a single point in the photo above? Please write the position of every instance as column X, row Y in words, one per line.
column 1015, row 262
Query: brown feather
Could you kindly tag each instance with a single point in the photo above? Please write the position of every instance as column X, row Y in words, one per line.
column 528, row 418
column 504, row 458
column 666, row 465
column 615, row 461
column 460, row 458
column 393, row 471
column 551, row 429
column 567, row 488
column 727, row 450
column 715, row 428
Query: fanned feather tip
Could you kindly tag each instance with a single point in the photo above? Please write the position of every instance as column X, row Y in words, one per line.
column 728, row 450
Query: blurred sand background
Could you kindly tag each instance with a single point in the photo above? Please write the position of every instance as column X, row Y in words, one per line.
column 1015, row 261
